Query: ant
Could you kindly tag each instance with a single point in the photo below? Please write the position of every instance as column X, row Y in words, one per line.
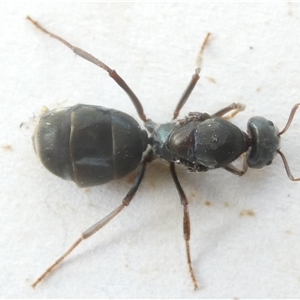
column 93, row 145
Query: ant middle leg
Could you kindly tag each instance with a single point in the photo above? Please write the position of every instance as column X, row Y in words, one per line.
column 186, row 223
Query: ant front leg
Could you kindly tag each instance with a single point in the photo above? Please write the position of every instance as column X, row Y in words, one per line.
column 234, row 170
column 235, row 107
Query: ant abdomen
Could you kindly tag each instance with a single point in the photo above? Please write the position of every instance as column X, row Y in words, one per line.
column 90, row 145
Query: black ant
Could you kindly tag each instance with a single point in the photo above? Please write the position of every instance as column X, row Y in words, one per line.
column 92, row 145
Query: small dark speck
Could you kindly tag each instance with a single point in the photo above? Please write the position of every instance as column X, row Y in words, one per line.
column 247, row 212
column 207, row 203
column 192, row 195
column 130, row 178
column 211, row 79
column 7, row 147
column 152, row 184
column 251, row 47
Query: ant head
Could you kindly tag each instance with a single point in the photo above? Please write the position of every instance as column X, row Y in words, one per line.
column 265, row 142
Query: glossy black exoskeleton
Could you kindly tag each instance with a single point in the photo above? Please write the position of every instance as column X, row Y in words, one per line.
column 89, row 144
column 202, row 142
column 92, row 145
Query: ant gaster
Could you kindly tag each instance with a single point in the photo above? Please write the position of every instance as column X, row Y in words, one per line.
column 92, row 145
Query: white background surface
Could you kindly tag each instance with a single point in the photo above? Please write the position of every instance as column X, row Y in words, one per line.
column 253, row 57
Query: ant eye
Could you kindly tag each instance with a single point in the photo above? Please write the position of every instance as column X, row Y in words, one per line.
column 269, row 162
column 271, row 123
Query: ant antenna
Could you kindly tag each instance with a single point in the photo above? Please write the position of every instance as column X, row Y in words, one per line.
column 286, row 165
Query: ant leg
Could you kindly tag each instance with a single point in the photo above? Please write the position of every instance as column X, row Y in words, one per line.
column 186, row 222
column 193, row 81
column 234, row 170
column 96, row 227
column 97, row 62
column 235, row 107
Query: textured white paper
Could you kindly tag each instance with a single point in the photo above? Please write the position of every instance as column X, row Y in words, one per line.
column 245, row 239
